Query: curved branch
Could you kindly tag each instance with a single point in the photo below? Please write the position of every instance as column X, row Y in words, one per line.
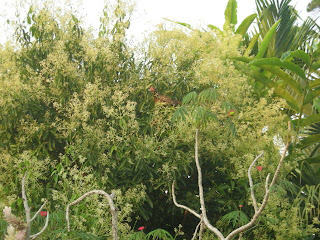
column 112, row 209
column 36, row 214
column 265, row 199
column 182, row 206
column 202, row 203
column 42, row 230
column 254, row 201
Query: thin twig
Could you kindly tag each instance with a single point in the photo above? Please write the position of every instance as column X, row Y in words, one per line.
column 254, row 201
column 267, row 182
column 201, row 230
column 35, row 215
column 196, row 230
column 113, row 210
column 42, row 230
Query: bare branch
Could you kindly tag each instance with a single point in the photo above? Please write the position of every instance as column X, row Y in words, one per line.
column 201, row 230
column 258, row 211
column 265, row 199
column 44, row 227
column 279, row 165
column 36, row 214
column 112, row 209
column 196, row 230
column 202, row 203
column 254, row 201
column 28, row 214
column 182, row 206
column 267, row 182
column 26, row 206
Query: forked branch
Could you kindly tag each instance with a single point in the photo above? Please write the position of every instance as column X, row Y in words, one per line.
column 18, row 229
column 28, row 214
column 258, row 210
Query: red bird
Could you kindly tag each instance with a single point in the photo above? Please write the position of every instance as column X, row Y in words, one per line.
column 163, row 98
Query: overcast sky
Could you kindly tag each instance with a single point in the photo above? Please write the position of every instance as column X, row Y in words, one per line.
column 149, row 13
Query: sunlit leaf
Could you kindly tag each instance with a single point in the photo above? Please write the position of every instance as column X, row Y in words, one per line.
column 297, row 54
column 230, row 14
column 266, row 40
column 245, row 24
column 277, row 62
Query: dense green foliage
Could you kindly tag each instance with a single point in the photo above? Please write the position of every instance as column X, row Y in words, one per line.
column 77, row 115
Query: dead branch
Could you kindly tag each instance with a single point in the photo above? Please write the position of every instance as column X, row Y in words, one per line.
column 28, row 214
column 113, row 210
column 24, row 229
column 26, row 206
column 258, row 210
column 196, row 230
column 182, row 206
column 42, row 230
column 254, row 201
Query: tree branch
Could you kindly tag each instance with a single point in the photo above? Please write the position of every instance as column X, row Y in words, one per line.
column 196, row 230
column 44, row 227
column 258, row 210
column 265, row 199
column 254, row 201
column 28, row 214
column 182, row 206
column 112, row 209
column 35, row 215
column 26, row 206
column 202, row 203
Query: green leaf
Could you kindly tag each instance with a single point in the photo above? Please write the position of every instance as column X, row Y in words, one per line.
column 208, row 95
column 307, row 141
column 316, row 104
column 311, row 95
column 280, row 91
column 138, row 236
column 266, row 40
column 311, row 160
column 212, row 27
column 314, row 83
column 251, row 44
column 159, row 234
column 310, row 120
column 316, row 65
column 297, row 54
column 180, row 114
column 236, row 217
column 245, row 24
column 245, row 59
column 187, row 25
column 284, row 76
column 190, row 97
column 230, row 14
column 277, row 62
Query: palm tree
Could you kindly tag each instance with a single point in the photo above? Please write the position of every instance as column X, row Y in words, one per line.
column 289, row 35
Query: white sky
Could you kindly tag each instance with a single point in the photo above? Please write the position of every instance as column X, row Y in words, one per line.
column 149, row 13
